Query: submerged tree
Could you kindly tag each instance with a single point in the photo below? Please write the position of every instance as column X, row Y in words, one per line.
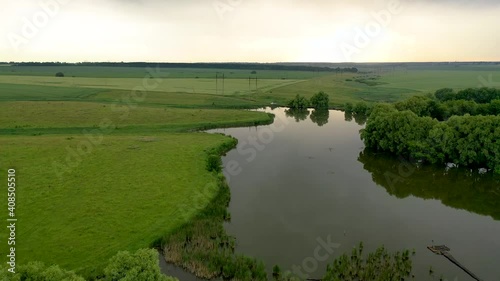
column 464, row 140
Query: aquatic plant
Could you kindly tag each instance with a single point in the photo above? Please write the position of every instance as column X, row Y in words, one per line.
column 377, row 266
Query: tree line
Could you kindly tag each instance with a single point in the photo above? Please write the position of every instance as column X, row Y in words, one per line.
column 140, row 266
column 318, row 101
column 441, row 106
column 249, row 66
column 479, row 95
column 436, row 130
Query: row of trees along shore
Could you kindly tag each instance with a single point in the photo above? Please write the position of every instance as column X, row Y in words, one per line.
column 445, row 127
column 318, row 101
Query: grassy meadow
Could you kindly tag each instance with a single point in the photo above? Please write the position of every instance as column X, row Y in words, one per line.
column 197, row 87
column 140, row 72
column 123, row 195
column 125, row 191
column 64, row 116
column 234, row 86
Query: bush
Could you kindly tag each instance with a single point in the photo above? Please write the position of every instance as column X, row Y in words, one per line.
column 276, row 272
column 38, row 271
column 59, row 74
column 214, row 163
column 377, row 266
column 140, row 266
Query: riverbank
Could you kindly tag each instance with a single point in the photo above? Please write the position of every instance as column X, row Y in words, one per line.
column 202, row 245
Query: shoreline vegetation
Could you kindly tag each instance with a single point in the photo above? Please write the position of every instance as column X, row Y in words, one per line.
column 202, row 245
column 461, row 128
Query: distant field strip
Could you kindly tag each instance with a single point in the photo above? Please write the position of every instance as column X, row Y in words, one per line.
column 188, row 85
column 25, row 115
column 431, row 80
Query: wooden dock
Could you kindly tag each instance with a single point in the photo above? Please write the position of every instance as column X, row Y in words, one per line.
column 444, row 251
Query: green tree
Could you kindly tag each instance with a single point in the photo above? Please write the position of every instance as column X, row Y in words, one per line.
column 59, row 74
column 361, row 108
column 464, row 140
column 140, row 266
column 494, row 107
column 299, row 102
column 445, row 94
column 348, row 107
column 419, row 105
column 39, row 272
column 460, row 108
column 320, row 100
column 402, row 133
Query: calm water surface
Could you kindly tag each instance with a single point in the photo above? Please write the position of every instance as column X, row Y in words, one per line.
column 308, row 178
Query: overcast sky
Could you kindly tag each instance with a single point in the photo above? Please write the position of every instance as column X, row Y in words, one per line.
column 250, row 30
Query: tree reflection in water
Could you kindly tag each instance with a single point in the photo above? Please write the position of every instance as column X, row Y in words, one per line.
column 472, row 190
column 320, row 116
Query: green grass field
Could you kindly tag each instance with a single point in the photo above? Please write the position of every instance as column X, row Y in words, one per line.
column 185, row 85
column 430, row 80
column 140, row 72
column 67, row 115
column 340, row 91
column 180, row 88
column 124, row 193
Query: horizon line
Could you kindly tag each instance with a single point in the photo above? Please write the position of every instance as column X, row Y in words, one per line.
column 245, row 62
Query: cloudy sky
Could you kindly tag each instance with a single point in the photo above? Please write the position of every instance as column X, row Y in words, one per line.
column 250, row 30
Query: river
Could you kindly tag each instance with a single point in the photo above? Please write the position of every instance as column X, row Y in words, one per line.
column 304, row 190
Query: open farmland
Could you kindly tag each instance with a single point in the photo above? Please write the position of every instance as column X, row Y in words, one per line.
column 188, row 85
